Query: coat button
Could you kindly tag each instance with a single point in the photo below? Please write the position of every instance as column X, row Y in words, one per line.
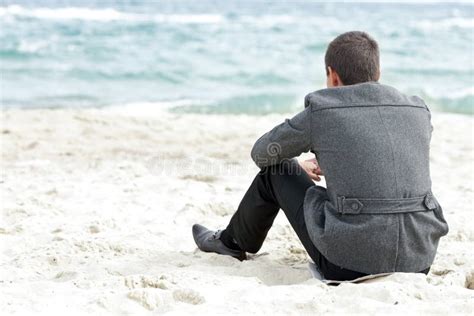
column 355, row 206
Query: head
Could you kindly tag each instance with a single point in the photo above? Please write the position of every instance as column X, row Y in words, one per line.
column 351, row 58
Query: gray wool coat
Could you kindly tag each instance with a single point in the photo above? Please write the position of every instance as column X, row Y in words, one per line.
column 372, row 143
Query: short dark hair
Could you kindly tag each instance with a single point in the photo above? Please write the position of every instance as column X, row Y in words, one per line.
column 355, row 57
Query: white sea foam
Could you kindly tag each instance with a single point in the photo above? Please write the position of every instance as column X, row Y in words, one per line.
column 449, row 94
column 188, row 18
column 149, row 109
column 104, row 15
column 65, row 13
column 467, row 92
column 109, row 14
column 437, row 24
column 26, row 46
column 268, row 19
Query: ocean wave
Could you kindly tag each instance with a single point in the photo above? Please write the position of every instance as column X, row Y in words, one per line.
column 110, row 15
column 444, row 94
column 104, row 15
column 254, row 104
column 448, row 23
column 268, row 20
column 457, row 101
column 464, row 105
column 463, row 93
column 148, row 109
column 31, row 46
column 65, row 13
column 262, row 104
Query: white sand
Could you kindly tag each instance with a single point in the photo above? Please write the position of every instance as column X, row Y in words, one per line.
column 97, row 208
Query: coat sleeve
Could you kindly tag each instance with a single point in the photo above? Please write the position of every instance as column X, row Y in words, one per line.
column 284, row 141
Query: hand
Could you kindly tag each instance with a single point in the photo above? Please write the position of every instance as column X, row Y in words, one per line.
column 312, row 168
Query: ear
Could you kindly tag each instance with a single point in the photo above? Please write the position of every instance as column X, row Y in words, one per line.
column 378, row 75
column 333, row 78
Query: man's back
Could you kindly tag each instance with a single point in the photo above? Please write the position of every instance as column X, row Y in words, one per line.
column 372, row 144
column 371, row 141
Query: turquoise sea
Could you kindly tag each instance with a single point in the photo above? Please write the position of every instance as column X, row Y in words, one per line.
column 222, row 56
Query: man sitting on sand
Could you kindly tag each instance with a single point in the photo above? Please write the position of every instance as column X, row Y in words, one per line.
column 372, row 144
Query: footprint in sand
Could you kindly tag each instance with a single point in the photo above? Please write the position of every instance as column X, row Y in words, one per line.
column 151, row 299
column 94, row 229
column 188, row 296
column 64, row 276
column 141, row 281
column 469, row 284
column 149, row 291
column 154, row 292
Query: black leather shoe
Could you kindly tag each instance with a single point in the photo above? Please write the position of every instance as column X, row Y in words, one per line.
column 209, row 241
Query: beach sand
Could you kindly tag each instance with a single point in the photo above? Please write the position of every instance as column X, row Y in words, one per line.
column 97, row 208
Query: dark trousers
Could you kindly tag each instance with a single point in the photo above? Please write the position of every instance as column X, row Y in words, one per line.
column 278, row 187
